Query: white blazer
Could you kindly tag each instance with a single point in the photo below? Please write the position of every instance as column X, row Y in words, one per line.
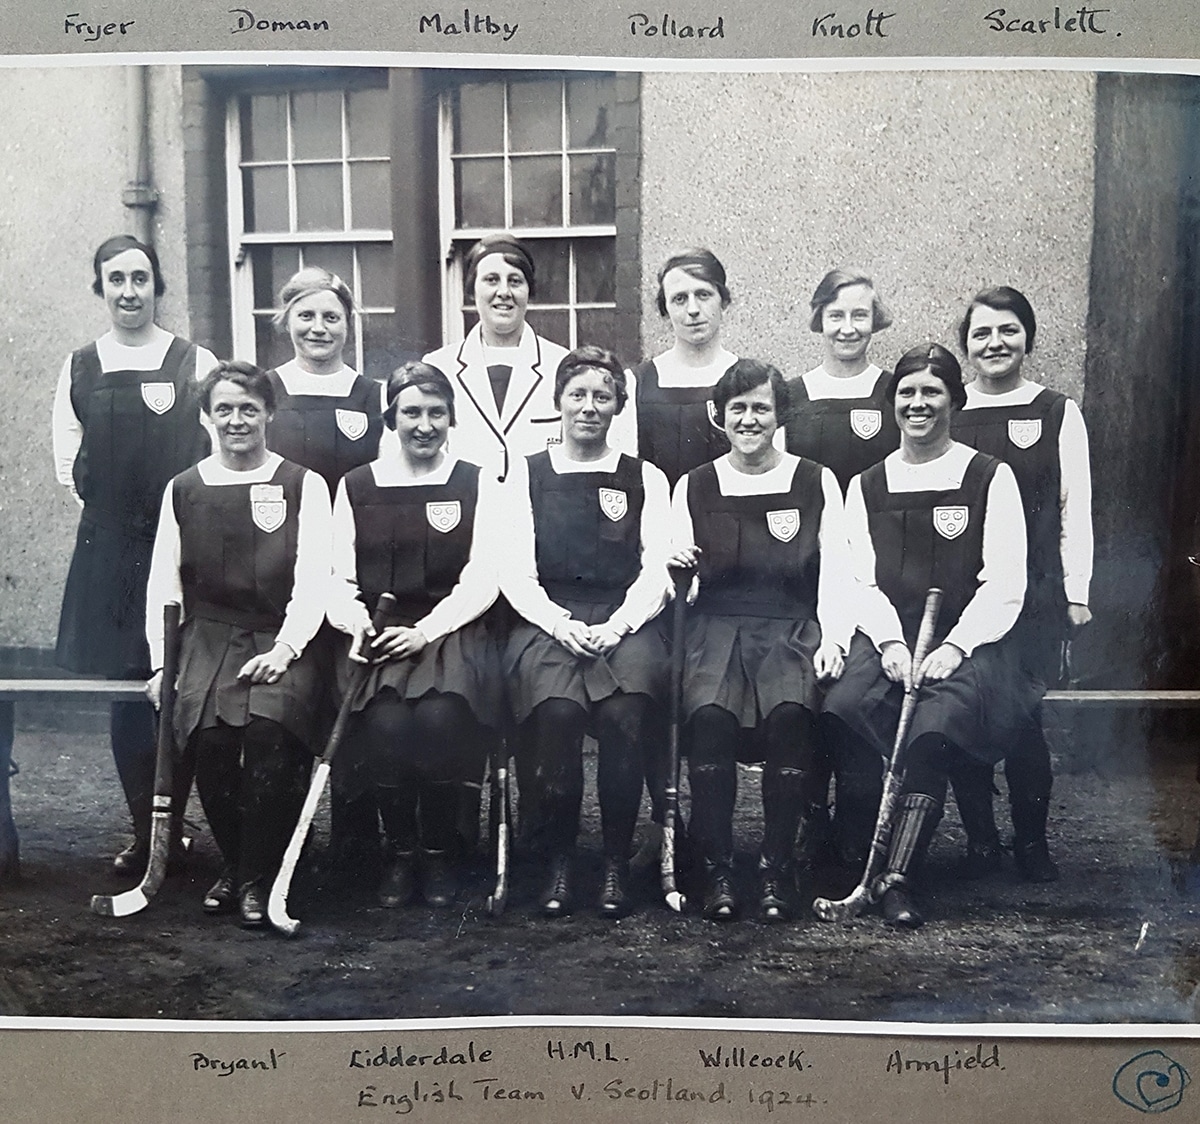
column 528, row 423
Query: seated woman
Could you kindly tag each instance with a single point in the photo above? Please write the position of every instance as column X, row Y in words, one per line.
column 243, row 543
column 770, row 619
column 587, row 539
column 411, row 524
column 932, row 514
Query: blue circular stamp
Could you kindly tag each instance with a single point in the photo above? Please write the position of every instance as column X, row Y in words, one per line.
column 1151, row 1082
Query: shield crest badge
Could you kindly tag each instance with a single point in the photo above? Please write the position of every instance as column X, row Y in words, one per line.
column 352, row 423
column 268, row 508
column 950, row 522
column 1024, row 432
column 784, row 525
column 158, row 396
column 865, row 423
column 614, row 503
column 445, row 516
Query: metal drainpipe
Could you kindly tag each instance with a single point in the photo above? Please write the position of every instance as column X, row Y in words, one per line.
column 140, row 195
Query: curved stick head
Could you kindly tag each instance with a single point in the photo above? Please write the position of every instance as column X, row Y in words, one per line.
column 120, row 905
column 676, row 901
column 277, row 914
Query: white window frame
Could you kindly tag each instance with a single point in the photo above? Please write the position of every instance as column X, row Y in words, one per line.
column 453, row 239
column 243, row 311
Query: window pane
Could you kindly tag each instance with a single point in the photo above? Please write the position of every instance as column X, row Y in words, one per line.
column 534, row 116
column 370, row 197
column 382, row 345
column 593, row 189
column 375, row 266
column 479, row 193
column 551, row 267
column 369, row 122
column 319, row 197
column 337, row 258
column 589, row 107
column 272, row 266
column 317, row 124
column 596, row 271
column 537, row 191
column 554, row 326
column 598, row 326
column 273, row 348
column 264, row 198
column 479, row 118
column 264, row 127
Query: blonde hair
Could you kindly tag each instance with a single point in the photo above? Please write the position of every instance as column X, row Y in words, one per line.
column 312, row 279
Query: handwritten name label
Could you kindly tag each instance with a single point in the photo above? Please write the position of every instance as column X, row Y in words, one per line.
column 91, row 32
column 246, row 20
column 237, row 1065
column 641, row 24
column 471, row 24
column 958, row 1062
column 1082, row 21
column 397, row 1056
column 738, row 1057
column 830, row 26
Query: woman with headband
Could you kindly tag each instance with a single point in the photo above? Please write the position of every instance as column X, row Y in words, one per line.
column 243, row 544
column 840, row 418
column 933, row 514
column 126, row 419
column 414, row 523
column 1040, row 434
column 588, row 537
column 328, row 418
column 771, row 619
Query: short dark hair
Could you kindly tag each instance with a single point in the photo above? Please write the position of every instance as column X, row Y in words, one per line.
column 836, row 280
column 425, row 378
column 939, row 362
column 508, row 246
column 699, row 262
column 744, row 376
column 589, row 357
column 1001, row 298
column 253, row 380
column 118, row 244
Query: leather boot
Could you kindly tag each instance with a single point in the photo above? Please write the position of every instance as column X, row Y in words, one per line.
column 614, row 894
column 438, row 883
column 558, row 898
column 973, row 793
column 720, row 900
column 776, row 891
column 1030, row 849
column 399, row 881
column 919, row 815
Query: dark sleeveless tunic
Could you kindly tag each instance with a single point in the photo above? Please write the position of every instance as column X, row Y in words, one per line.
column 1026, row 437
column 752, row 632
column 924, row 540
column 140, row 428
column 413, row 541
column 327, row 434
column 676, row 426
column 237, row 564
column 587, row 545
column 846, row 435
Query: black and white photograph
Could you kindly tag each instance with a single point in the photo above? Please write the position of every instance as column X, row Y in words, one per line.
column 676, row 542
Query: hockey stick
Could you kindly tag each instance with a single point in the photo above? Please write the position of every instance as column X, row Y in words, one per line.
column 675, row 899
column 502, row 815
column 135, row 900
column 277, row 912
column 863, row 894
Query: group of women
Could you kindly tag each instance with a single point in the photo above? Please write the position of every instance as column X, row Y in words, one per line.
column 526, row 507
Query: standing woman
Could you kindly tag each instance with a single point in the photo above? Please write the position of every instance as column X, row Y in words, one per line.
column 243, row 543
column 840, row 416
column 412, row 524
column 126, row 419
column 771, row 618
column 586, row 569
column 932, row 514
column 328, row 418
column 676, row 427
column 1041, row 435
column 503, row 371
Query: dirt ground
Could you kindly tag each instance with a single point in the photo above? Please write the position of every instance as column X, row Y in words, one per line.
column 998, row 950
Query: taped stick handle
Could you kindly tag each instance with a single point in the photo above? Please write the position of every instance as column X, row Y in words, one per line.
column 682, row 579
column 933, row 606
